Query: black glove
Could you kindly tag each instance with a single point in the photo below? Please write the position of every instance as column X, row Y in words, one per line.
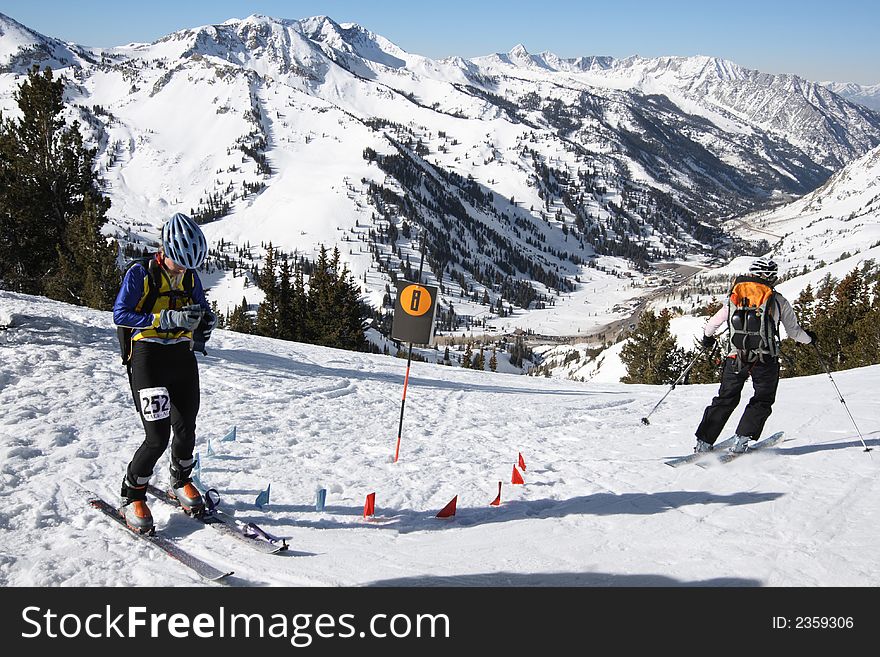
column 202, row 332
column 708, row 341
column 186, row 318
column 206, row 327
column 814, row 339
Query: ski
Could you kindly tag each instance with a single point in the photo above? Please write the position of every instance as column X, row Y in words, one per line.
column 249, row 533
column 727, row 457
column 696, row 456
column 168, row 546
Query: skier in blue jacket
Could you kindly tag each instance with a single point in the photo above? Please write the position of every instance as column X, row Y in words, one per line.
column 163, row 304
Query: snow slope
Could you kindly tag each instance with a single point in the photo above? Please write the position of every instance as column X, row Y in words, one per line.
column 599, row 507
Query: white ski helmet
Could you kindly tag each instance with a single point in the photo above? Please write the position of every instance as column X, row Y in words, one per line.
column 184, row 242
column 765, row 268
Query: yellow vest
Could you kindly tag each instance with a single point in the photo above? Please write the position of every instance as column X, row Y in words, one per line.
column 172, row 295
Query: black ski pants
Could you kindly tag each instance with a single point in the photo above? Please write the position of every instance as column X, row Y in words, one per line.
column 765, row 381
column 165, row 385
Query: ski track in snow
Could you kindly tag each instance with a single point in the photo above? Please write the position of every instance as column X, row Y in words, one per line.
column 599, row 506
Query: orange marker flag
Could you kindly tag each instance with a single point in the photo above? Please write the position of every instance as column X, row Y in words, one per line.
column 449, row 510
column 516, row 477
column 497, row 500
column 370, row 505
column 522, row 463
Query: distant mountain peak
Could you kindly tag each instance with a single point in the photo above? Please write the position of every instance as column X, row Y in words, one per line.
column 319, row 23
column 20, row 47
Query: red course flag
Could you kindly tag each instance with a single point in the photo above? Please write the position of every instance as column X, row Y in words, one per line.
column 449, row 510
column 522, row 463
column 497, row 500
column 370, row 505
column 516, row 477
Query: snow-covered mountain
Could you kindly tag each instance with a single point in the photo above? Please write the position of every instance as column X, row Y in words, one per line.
column 863, row 94
column 21, row 48
column 545, row 184
column 831, row 230
column 837, row 223
column 800, row 111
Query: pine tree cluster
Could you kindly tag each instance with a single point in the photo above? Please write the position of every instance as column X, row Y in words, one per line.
column 51, row 207
column 845, row 315
column 329, row 313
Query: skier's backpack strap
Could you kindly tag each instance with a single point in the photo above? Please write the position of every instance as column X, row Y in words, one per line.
column 123, row 333
column 154, row 283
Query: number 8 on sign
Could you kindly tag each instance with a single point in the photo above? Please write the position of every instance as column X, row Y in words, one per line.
column 414, row 312
column 415, row 300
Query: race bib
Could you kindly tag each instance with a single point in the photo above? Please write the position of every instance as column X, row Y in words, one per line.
column 155, row 403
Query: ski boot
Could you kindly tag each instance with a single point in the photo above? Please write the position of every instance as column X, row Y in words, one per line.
column 183, row 490
column 702, row 446
column 741, row 445
column 134, row 509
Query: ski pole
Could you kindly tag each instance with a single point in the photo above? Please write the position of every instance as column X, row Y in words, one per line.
column 842, row 401
column 677, row 381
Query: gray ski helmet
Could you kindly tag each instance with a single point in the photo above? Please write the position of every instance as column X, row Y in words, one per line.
column 184, row 242
column 765, row 268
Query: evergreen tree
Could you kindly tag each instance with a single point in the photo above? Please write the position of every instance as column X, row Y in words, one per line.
column 267, row 313
column 846, row 318
column 650, row 354
column 240, row 320
column 335, row 312
column 519, row 352
column 47, row 182
column 352, row 313
column 798, row 359
column 298, row 306
column 466, row 358
column 87, row 273
column 479, row 361
column 851, row 305
column 286, row 321
column 493, row 362
column 866, row 350
column 320, row 313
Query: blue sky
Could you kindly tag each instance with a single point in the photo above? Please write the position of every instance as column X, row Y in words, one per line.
column 834, row 40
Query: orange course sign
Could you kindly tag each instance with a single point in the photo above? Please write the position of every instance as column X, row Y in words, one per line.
column 414, row 311
column 415, row 300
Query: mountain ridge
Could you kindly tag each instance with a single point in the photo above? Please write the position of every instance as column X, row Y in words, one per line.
column 300, row 132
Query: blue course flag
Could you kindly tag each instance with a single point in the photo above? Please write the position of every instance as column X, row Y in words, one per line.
column 263, row 497
column 209, row 451
column 320, row 498
column 229, row 437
